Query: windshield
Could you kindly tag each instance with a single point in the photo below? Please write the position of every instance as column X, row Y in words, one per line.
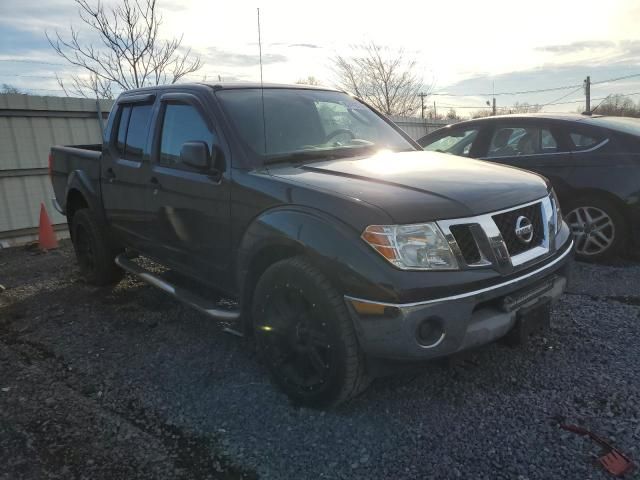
column 306, row 123
column 457, row 142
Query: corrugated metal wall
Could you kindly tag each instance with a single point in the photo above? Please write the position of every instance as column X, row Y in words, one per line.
column 29, row 126
column 419, row 127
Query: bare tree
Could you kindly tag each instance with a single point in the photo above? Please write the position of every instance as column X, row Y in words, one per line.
column 6, row 88
column 521, row 108
column 310, row 80
column 383, row 77
column 129, row 53
column 618, row 105
column 81, row 85
column 481, row 113
column 453, row 115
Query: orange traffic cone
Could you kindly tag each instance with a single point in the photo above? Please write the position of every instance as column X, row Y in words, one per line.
column 46, row 236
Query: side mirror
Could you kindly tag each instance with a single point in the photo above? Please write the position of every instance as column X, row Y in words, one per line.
column 196, row 155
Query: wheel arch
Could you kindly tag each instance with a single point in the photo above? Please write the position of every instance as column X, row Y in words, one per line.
column 75, row 201
column 590, row 193
column 330, row 245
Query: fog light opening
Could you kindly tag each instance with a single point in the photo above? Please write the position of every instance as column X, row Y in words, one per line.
column 430, row 333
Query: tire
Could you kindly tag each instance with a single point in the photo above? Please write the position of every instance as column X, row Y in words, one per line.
column 94, row 254
column 305, row 336
column 598, row 227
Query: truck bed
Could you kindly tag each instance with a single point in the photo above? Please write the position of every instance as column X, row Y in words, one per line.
column 82, row 160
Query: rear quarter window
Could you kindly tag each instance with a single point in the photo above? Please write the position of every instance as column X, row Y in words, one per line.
column 584, row 141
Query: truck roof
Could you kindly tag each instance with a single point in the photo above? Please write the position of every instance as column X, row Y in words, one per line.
column 229, row 86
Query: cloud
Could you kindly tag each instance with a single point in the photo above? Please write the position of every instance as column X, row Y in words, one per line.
column 36, row 15
column 216, row 57
column 304, row 45
column 18, row 41
column 577, row 47
column 594, row 52
column 630, row 48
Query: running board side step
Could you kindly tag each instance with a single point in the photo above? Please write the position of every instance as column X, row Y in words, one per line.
column 207, row 307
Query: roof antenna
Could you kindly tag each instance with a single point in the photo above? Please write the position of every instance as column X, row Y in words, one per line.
column 264, row 122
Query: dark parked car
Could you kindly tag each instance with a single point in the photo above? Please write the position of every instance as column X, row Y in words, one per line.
column 340, row 239
column 593, row 163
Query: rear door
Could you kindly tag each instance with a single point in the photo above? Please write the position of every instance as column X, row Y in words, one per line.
column 124, row 176
column 535, row 145
column 191, row 207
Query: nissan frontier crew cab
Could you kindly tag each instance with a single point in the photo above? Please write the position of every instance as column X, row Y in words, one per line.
column 340, row 241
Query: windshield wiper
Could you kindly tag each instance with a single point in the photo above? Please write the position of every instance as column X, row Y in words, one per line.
column 320, row 154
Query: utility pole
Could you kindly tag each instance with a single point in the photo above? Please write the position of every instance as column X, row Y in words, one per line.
column 435, row 111
column 587, row 93
column 422, row 95
column 493, row 90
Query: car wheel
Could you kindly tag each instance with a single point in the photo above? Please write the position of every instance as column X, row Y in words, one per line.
column 93, row 253
column 305, row 336
column 598, row 229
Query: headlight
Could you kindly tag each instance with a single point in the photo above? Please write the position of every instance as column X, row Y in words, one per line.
column 557, row 213
column 412, row 247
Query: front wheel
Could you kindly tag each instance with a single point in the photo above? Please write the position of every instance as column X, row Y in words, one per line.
column 305, row 336
column 598, row 229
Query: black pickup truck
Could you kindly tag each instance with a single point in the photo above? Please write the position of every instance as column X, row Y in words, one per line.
column 339, row 241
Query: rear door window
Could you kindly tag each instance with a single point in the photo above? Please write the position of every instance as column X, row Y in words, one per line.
column 456, row 142
column 122, row 129
column 513, row 141
column 133, row 128
column 137, row 131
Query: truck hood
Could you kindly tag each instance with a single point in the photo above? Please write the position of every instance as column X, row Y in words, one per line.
column 421, row 186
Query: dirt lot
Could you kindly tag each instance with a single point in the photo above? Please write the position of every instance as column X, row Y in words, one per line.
column 124, row 383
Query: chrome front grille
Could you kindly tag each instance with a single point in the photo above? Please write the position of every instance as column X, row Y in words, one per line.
column 467, row 243
column 491, row 240
column 507, row 220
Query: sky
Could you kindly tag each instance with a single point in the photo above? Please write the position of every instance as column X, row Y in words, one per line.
column 465, row 49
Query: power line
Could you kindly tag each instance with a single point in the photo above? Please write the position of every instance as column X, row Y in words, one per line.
column 505, row 93
column 541, row 90
column 554, row 102
column 25, row 60
column 25, row 76
column 616, row 79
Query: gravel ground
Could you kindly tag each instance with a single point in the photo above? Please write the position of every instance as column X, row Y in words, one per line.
column 124, row 383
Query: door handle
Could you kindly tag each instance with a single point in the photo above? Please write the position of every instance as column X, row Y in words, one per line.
column 156, row 183
column 110, row 175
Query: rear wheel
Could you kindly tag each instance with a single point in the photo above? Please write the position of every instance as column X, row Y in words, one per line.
column 94, row 255
column 598, row 229
column 305, row 336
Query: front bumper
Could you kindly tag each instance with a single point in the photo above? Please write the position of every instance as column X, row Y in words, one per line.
column 463, row 321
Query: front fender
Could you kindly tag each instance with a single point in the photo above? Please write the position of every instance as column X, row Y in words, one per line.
column 332, row 246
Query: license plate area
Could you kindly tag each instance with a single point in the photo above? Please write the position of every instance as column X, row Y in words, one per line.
column 530, row 320
column 515, row 300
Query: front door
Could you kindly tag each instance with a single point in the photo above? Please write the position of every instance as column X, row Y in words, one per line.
column 191, row 206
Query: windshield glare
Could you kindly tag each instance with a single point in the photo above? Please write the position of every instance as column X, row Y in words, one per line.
column 306, row 121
